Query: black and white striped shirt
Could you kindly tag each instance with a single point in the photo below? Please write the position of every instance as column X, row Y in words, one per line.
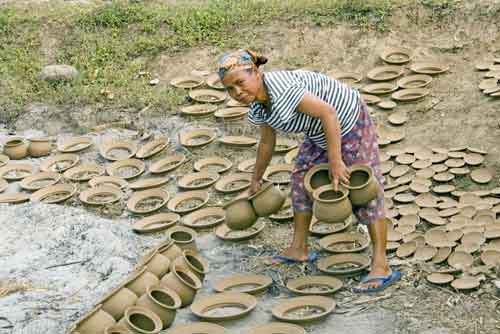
column 287, row 88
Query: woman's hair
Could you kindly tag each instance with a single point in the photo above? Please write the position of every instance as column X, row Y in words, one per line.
column 241, row 59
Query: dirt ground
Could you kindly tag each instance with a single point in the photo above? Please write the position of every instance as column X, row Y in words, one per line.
column 456, row 113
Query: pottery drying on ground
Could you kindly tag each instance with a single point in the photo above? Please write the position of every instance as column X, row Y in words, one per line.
column 101, row 195
column 212, row 164
column 167, row 164
column 277, row 328
column 14, row 198
column 163, row 302
column 187, row 82
column 4, row 160
column 430, row 68
column 240, row 213
column 425, row 253
column 229, row 114
column 152, row 148
column 363, row 186
column 183, row 282
column 387, row 105
column 115, row 150
column 184, row 237
column 192, row 261
column 370, row 99
column 84, row 172
column 491, row 257
column 169, row 249
column 304, row 309
column 74, row 144
column 465, row 283
column 343, row 264
column 330, row 205
column 320, row 228
column 224, row 306
column 238, row 141
column 96, row 321
column 156, row 263
column 244, row 283
column 188, row 201
column 225, row 233
column 207, row 95
column 268, row 200
column 110, row 181
column 317, row 176
column 474, row 159
column 406, row 249
column 344, row 242
column 197, row 138
column 247, row 166
column 213, row 81
column 204, row 218
column 233, row 183
column 314, row 285
column 39, row 147
column 16, row 148
column 482, row 175
column 460, row 260
column 278, row 174
column 414, row 81
column 147, row 201
column 54, row 194
column 385, row 73
column 347, row 77
column 139, row 281
column 398, row 118
column 442, row 255
column 198, row 328
column 59, row 163
column 141, row 320
column 126, row 169
column 285, row 213
column 197, row 180
column 117, row 301
column 379, row 88
column 3, row 185
column 440, row 278
column 198, row 109
column 149, row 183
column 156, row 223
column 284, row 145
column 396, row 55
column 410, row 94
column 40, row 180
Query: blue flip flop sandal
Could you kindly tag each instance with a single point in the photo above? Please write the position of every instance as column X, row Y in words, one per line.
column 386, row 281
column 313, row 256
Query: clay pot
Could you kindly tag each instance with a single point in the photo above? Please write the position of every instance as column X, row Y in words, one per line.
column 140, row 320
column 193, row 262
column 39, row 147
column 141, row 281
column 244, row 302
column 157, row 264
column 363, row 186
column 117, row 301
column 183, row 237
column 268, row 200
column 317, row 176
column 330, row 205
column 183, row 282
column 95, row 321
column 240, row 214
column 16, row 148
column 163, row 301
column 170, row 250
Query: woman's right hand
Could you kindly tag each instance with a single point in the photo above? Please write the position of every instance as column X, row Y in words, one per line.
column 254, row 187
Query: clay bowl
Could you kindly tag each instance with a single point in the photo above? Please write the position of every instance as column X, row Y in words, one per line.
column 14, row 198
column 207, row 95
column 387, row 105
column 156, row 223
column 233, row 183
column 429, row 68
column 199, row 197
column 344, row 242
column 246, row 166
column 101, row 195
column 187, row 82
column 330, row 205
column 95, row 321
column 213, row 81
column 398, row 118
column 244, row 283
column 440, row 278
column 40, row 180
column 116, row 150
column 424, row 253
column 414, row 81
column 491, row 257
column 313, row 308
column 347, row 77
column 285, row 213
column 474, row 237
column 406, row 249
column 399, row 171
column 147, row 201
column 343, row 264
column 225, row 233
column 84, row 172
column 167, row 164
column 204, row 218
column 149, row 183
column 460, row 260
column 213, row 165
column 320, row 228
column 198, row 110
column 110, row 181
column 277, row 328
column 284, row 145
column 192, row 261
column 197, row 138
column 278, row 174
column 442, row 255
column 385, row 73
column 4, row 160
column 233, row 103
column 183, row 237
column 126, row 169
column 238, row 141
column 198, row 180
column 152, row 148
column 314, row 285
column 396, row 55
column 317, row 176
column 59, row 163
column 481, row 176
column 228, row 114
column 54, row 194
column 139, row 319
column 379, row 88
column 75, row 144
column 474, row 159
column 268, row 200
column 410, row 94
column 197, row 328
column 465, row 283
column 236, row 306
column 370, row 99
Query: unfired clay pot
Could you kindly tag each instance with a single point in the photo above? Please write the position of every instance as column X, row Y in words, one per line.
column 157, row 264
column 140, row 320
column 316, row 177
column 170, row 250
column 141, row 281
column 95, row 321
column 193, row 262
column 268, row 200
column 39, row 147
column 163, row 301
column 363, row 186
column 240, row 214
column 16, row 148
column 183, row 237
column 182, row 281
column 117, row 301
column 330, row 205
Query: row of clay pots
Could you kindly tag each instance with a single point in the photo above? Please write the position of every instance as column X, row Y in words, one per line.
column 17, row 148
column 243, row 212
column 336, row 206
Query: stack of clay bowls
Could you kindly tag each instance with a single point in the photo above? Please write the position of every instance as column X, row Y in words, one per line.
column 490, row 81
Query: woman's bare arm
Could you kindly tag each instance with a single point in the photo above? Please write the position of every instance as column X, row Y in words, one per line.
column 264, row 151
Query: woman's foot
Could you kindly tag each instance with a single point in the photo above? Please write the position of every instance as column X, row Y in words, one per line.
column 377, row 271
column 297, row 254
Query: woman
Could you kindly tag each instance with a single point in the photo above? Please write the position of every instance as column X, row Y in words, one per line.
column 338, row 130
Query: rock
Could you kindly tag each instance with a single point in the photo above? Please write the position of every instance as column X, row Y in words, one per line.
column 59, row 73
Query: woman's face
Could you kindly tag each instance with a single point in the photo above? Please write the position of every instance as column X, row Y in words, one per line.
column 243, row 85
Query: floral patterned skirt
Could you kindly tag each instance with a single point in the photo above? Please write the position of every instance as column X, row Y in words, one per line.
column 359, row 146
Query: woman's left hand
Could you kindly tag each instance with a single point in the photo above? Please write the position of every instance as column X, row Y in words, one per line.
column 339, row 173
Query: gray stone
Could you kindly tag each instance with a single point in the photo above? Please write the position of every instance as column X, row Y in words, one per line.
column 59, row 73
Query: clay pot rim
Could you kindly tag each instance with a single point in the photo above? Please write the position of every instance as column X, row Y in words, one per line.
column 224, row 298
column 287, row 204
column 235, row 200
column 65, row 146
column 114, row 144
column 40, row 195
column 25, row 183
column 229, row 113
column 387, row 104
column 373, row 74
column 363, row 168
column 277, row 327
column 289, row 144
column 177, row 81
column 345, row 224
column 398, row 118
column 429, row 68
column 329, row 187
column 223, row 229
column 198, row 327
column 147, row 183
column 100, row 180
column 193, row 194
column 272, row 169
column 39, row 139
column 151, row 148
column 183, row 182
column 171, row 293
column 198, row 109
column 326, row 303
column 86, row 194
column 203, row 213
column 213, row 160
column 90, row 167
column 290, row 155
column 223, row 181
column 332, row 282
column 197, row 283
column 145, row 312
column 169, row 219
column 220, row 96
column 361, row 259
column 357, row 77
column 47, row 163
column 228, row 282
column 370, row 98
column 14, row 197
column 211, row 81
column 310, row 173
column 388, row 52
column 373, row 88
column 113, row 167
column 143, row 194
column 263, row 189
column 188, row 252
column 429, row 248
column 185, row 229
column 155, row 167
column 14, row 141
column 403, row 82
column 184, row 137
column 238, row 141
column 410, row 94
column 243, row 165
column 327, row 241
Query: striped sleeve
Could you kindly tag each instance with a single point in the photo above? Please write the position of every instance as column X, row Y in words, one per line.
column 288, row 101
column 256, row 114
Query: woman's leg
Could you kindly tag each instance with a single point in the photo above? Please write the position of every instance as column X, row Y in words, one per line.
column 380, row 266
column 299, row 250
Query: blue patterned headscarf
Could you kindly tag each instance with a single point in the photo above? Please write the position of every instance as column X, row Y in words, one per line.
column 241, row 59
